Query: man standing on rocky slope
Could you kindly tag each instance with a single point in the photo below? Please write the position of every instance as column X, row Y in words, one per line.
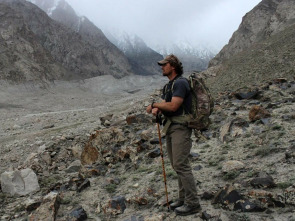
column 176, row 103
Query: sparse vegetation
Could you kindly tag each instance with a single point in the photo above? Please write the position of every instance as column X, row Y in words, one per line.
column 111, row 188
column 284, row 185
column 231, row 175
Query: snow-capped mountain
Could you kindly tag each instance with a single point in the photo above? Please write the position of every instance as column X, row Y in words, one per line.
column 143, row 58
column 142, row 61
column 193, row 57
column 50, row 6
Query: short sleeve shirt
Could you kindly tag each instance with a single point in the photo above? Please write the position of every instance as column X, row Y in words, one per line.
column 178, row 87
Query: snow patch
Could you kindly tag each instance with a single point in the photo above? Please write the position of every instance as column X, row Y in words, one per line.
column 55, row 4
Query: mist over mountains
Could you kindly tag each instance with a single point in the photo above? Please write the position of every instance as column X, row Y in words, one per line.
column 59, row 45
column 55, row 43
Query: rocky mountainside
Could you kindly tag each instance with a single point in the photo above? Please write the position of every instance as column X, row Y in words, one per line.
column 35, row 47
column 268, row 18
column 143, row 58
column 262, row 48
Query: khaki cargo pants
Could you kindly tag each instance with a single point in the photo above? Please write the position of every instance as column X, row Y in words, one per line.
column 179, row 143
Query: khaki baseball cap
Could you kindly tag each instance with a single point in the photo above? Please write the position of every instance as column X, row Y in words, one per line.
column 169, row 59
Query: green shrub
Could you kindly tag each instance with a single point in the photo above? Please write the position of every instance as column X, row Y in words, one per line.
column 277, row 127
column 231, row 175
column 284, row 185
column 251, row 146
column 111, row 188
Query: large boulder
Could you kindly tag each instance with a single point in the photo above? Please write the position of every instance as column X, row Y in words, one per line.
column 20, row 183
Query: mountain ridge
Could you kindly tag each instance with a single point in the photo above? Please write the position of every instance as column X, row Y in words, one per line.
column 39, row 49
column 143, row 62
column 268, row 55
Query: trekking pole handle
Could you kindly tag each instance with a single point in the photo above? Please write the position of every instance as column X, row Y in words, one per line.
column 159, row 118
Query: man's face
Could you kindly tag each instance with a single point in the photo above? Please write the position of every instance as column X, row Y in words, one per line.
column 167, row 69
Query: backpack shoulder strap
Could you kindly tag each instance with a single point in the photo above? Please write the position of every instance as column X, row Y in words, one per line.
column 175, row 79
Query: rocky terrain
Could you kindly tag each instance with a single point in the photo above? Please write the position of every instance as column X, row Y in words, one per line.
column 95, row 154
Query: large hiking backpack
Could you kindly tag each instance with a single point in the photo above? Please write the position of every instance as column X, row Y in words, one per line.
column 202, row 103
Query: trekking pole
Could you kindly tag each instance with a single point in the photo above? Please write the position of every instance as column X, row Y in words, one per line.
column 159, row 121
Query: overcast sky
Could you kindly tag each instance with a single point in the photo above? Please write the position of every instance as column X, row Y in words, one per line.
column 210, row 22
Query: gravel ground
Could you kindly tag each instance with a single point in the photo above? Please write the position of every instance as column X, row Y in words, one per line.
column 30, row 115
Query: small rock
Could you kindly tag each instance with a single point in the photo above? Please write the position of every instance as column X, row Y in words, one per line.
column 32, row 204
column 155, row 141
column 289, row 154
column 78, row 214
column 257, row 113
column 46, row 157
column 48, row 126
column 118, row 203
column 154, row 218
column 136, row 185
column 74, row 167
column 266, row 181
column 205, row 216
column 77, row 151
column 155, row 153
column 48, row 209
column 84, row 185
column 139, row 118
column 89, row 155
column 265, row 121
column 227, row 195
column 141, row 201
column 247, row 95
column 207, row 196
column 42, row 148
column 145, row 135
column 106, row 118
column 247, row 206
column 194, row 155
column 232, row 165
column 16, row 127
column 198, row 167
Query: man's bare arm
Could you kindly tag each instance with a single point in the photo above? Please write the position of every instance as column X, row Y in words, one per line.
column 172, row 106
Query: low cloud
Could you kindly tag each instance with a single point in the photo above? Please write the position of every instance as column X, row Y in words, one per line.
column 210, row 22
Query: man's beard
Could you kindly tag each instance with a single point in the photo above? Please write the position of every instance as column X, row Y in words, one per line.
column 166, row 74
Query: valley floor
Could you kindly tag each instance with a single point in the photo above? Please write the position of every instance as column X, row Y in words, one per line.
column 60, row 119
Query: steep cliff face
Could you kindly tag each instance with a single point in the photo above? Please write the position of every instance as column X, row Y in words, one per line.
column 262, row 49
column 35, row 47
column 23, row 57
column 268, row 18
column 61, row 11
column 142, row 59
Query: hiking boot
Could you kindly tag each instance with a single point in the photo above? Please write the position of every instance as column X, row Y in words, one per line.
column 176, row 204
column 187, row 210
